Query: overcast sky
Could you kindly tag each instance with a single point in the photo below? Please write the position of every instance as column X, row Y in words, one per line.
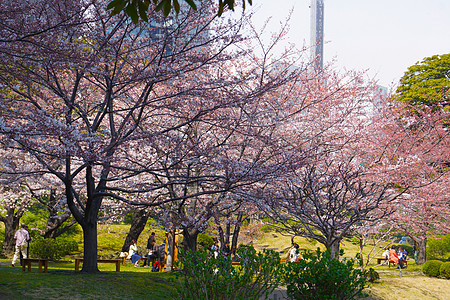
column 384, row 36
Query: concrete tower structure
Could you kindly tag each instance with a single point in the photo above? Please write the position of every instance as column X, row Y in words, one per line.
column 317, row 20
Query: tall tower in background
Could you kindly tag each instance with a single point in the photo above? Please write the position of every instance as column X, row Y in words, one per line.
column 317, row 31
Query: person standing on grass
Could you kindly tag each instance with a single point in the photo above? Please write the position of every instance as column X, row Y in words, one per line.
column 22, row 238
column 293, row 254
column 151, row 238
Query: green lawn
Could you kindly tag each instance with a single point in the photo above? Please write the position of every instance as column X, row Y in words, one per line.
column 62, row 282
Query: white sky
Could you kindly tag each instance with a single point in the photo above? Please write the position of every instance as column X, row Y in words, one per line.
column 384, row 36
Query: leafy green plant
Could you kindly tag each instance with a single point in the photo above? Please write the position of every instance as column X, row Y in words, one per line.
column 205, row 241
column 52, row 249
column 372, row 275
column 439, row 247
column 432, row 268
column 203, row 277
column 444, row 270
column 243, row 247
column 318, row 276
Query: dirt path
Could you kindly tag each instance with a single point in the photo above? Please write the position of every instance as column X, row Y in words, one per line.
column 411, row 288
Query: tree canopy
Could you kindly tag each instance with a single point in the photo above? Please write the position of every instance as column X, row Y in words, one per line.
column 427, row 82
column 136, row 9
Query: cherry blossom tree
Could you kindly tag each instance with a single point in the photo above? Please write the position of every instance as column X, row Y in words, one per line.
column 218, row 157
column 23, row 186
column 14, row 202
column 329, row 191
column 14, row 196
column 326, row 202
column 105, row 106
column 410, row 149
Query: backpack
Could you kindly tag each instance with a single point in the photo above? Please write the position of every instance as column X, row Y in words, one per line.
column 156, row 266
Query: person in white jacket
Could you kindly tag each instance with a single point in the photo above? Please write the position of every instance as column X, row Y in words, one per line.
column 22, row 238
column 293, row 255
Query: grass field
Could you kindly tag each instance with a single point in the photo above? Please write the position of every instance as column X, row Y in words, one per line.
column 62, row 282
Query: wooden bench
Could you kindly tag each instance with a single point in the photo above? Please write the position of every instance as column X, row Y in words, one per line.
column 380, row 260
column 112, row 261
column 28, row 261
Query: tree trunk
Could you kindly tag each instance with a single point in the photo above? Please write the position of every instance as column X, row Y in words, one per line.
column 362, row 243
column 87, row 217
column 11, row 222
column 421, row 247
column 221, row 235
column 190, row 238
column 334, row 249
column 138, row 222
column 90, row 248
column 237, row 228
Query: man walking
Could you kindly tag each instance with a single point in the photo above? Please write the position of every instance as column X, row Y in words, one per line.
column 22, row 237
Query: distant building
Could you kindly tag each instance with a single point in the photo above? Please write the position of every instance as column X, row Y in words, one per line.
column 317, row 20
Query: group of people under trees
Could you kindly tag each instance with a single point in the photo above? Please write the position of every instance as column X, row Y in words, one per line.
column 152, row 257
column 397, row 255
column 225, row 251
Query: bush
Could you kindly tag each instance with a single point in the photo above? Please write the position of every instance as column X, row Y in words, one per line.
column 444, row 270
column 318, row 276
column 408, row 249
column 205, row 241
column 372, row 275
column 52, row 249
column 244, row 247
column 203, row 277
column 438, row 248
column 432, row 268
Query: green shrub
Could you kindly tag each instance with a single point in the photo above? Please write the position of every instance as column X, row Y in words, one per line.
column 318, row 276
column 205, row 241
column 444, row 270
column 203, row 277
column 408, row 249
column 432, row 268
column 242, row 248
column 439, row 247
column 372, row 275
column 52, row 249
